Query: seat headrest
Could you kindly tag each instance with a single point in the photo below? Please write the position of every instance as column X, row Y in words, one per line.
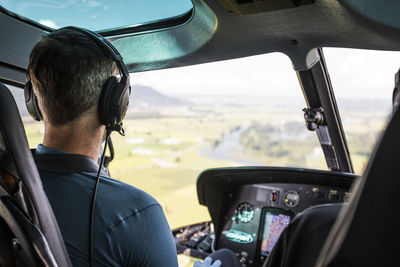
column 2, row 144
column 13, row 140
column 367, row 231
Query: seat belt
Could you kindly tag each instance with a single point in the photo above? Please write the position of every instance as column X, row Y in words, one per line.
column 66, row 163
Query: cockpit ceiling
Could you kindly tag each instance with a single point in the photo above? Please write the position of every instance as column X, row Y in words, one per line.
column 385, row 12
column 212, row 33
column 246, row 7
column 295, row 31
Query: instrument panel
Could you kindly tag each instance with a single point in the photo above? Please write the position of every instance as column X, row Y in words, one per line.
column 251, row 206
column 260, row 212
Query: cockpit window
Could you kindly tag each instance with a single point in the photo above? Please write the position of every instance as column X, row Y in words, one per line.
column 181, row 121
column 241, row 112
column 97, row 15
column 363, row 81
column 34, row 129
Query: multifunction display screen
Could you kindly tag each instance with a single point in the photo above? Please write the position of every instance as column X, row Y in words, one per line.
column 274, row 224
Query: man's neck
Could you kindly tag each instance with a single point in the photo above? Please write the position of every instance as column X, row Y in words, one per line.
column 75, row 137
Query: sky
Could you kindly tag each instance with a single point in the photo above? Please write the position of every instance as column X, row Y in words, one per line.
column 96, row 14
column 353, row 73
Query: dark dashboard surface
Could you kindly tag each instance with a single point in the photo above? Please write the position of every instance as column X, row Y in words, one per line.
column 251, row 206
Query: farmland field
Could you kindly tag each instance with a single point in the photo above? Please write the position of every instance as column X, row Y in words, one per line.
column 164, row 151
column 163, row 155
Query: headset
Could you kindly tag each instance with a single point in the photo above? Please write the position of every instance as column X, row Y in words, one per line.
column 115, row 93
column 396, row 91
column 113, row 104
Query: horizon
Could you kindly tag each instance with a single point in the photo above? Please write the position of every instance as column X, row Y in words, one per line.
column 207, row 94
column 355, row 73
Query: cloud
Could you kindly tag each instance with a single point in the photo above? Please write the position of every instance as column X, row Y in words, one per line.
column 93, row 3
column 49, row 23
column 354, row 73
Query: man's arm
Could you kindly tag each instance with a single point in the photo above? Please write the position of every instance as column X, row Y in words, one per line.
column 222, row 257
column 144, row 239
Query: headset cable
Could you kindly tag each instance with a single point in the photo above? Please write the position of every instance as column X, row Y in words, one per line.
column 94, row 200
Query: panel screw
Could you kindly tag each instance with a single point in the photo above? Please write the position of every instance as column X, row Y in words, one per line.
column 15, row 244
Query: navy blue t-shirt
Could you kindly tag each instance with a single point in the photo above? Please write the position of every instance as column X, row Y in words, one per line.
column 130, row 228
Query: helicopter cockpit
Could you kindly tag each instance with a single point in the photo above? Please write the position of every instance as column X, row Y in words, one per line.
column 244, row 114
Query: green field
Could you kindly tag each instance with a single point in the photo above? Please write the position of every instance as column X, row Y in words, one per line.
column 162, row 155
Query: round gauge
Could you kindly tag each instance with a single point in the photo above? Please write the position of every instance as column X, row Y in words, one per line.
column 291, row 199
column 245, row 212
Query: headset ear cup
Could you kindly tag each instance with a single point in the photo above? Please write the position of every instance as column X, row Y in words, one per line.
column 113, row 103
column 31, row 102
column 105, row 102
column 124, row 101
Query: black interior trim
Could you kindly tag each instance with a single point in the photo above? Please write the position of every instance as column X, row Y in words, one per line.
column 7, row 78
column 157, row 25
column 12, row 66
column 13, row 83
column 318, row 92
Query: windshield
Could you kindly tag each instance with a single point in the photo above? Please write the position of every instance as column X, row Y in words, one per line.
column 182, row 121
column 97, row 15
column 363, row 81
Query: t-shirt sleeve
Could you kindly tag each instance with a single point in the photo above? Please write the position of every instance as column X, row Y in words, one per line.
column 144, row 239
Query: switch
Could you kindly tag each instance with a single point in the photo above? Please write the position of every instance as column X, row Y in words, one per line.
column 347, row 196
column 333, row 195
column 274, row 196
column 243, row 258
column 317, row 194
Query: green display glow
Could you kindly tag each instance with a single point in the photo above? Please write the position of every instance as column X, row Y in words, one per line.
column 245, row 212
column 238, row 236
column 246, row 216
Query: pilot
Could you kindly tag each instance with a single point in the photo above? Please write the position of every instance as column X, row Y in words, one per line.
column 301, row 242
column 67, row 70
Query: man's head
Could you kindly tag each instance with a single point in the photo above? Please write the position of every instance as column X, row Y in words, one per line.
column 68, row 70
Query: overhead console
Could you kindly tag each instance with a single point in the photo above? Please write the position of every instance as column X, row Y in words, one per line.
column 251, row 206
column 245, row 7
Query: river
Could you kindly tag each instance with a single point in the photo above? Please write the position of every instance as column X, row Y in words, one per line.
column 229, row 149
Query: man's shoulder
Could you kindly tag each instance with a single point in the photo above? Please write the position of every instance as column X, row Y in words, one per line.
column 116, row 201
column 111, row 192
column 116, row 191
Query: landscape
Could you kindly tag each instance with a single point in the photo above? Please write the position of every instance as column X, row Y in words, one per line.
column 170, row 139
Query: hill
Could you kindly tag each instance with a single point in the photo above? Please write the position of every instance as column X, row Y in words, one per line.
column 146, row 102
column 146, row 95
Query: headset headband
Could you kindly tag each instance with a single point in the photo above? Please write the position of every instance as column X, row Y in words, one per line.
column 108, row 48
